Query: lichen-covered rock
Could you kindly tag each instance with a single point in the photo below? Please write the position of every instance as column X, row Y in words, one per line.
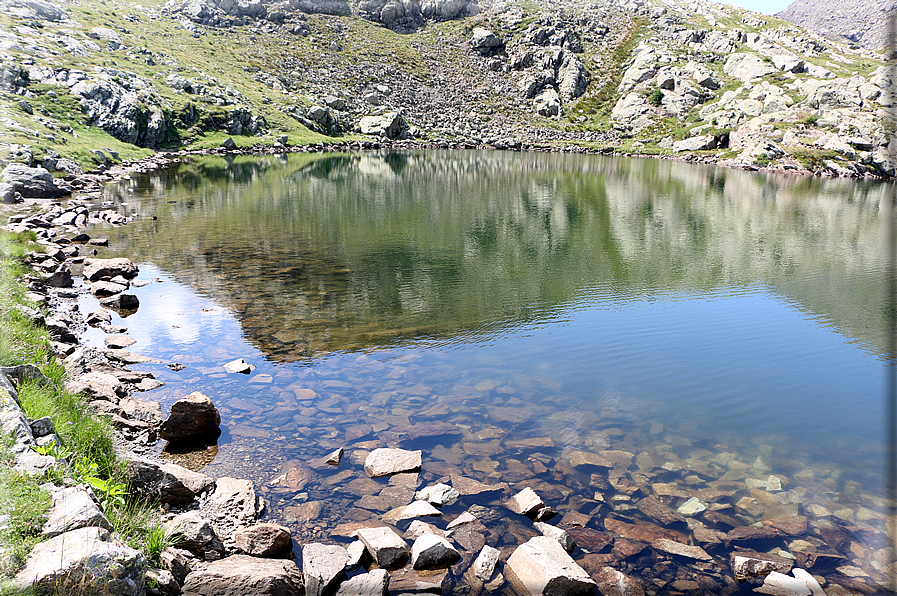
column 84, row 561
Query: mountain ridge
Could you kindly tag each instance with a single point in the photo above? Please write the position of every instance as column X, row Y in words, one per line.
column 700, row 80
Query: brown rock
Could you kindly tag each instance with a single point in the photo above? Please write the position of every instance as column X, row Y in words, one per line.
column 624, row 548
column 191, row 417
column 749, row 534
column 97, row 269
column 637, row 532
column 683, row 550
column 469, row 486
column 614, row 583
column 656, row 510
column 263, row 540
column 792, row 525
column 296, row 478
column 592, row 540
column 748, row 564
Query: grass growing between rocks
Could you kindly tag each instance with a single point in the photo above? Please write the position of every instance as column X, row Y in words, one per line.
column 87, row 440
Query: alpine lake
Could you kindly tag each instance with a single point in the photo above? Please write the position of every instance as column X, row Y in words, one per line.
column 657, row 349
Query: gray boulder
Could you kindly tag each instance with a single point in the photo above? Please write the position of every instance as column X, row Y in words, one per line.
column 323, row 567
column 485, row 41
column 35, row 183
column 194, row 532
column 263, row 540
column 390, row 125
column 84, row 561
column 540, row 567
column 168, row 483
column 242, row 575
column 747, row 66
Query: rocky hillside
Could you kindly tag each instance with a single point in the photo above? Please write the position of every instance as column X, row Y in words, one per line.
column 96, row 81
column 861, row 22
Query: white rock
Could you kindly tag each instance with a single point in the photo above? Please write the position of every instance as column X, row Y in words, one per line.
column 691, row 507
column 439, row 495
column 430, row 551
column 239, row 366
column 383, row 462
column 562, row 537
column 464, row 518
column 323, row 565
column 384, row 546
column 486, row 562
column 356, row 552
column 525, row 502
column 540, row 567
column 779, row 584
column 804, row 575
column 415, row 509
column 373, row 583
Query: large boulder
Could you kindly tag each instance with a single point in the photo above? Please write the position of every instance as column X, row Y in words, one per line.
column 73, row 509
column 541, row 567
column 485, row 41
column 242, row 575
column 168, row 482
column 192, row 417
column 390, row 125
column 35, row 183
column 747, row 66
column 106, row 269
column 84, row 561
column 264, row 540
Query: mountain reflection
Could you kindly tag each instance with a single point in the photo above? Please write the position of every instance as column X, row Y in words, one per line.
column 315, row 253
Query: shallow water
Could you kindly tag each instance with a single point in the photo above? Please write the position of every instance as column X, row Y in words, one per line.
column 500, row 310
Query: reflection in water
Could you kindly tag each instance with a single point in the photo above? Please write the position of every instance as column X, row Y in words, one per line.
column 702, row 329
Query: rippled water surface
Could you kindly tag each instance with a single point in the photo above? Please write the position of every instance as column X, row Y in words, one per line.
column 503, row 311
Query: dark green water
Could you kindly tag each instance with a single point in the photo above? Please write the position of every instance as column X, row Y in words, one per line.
column 713, row 319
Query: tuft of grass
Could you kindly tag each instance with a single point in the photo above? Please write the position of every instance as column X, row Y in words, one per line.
column 26, row 504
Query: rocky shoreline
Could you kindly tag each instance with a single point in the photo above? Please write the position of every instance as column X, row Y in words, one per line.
column 224, row 543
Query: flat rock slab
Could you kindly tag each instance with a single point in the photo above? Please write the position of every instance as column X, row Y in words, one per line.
column 683, row 550
column 540, row 567
column 384, row 546
column 663, row 514
column 383, row 462
column 83, row 561
column 73, row 509
column 562, row 537
column 431, row 551
column 469, row 486
column 587, row 459
column 636, row 531
column 415, row 509
column 373, row 583
column 117, row 342
column 242, row 575
column 99, row 269
column 323, row 566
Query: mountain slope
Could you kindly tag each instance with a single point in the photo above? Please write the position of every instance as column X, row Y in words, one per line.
column 864, row 22
column 703, row 81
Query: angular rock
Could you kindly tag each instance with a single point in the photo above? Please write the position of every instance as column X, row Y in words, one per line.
column 439, row 495
column 562, row 537
column 587, row 458
column 334, row 458
column 484, row 41
column 384, row 546
column 264, row 540
column 431, row 551
column 779, row 584
column 117, row 342
column 540, row 567
column 234, row 499
column 191, row 417
column 373, row 583
column 469, row 486
column 167, row 483
column 663, row 514
column 323, row 566
column 84, row 561
column 526, row 502
column 683, row 550
column 750, row 534
column 242, row 575
column 35, row 183
column 195, row 532
column 390, row 125
column 239, row 366
column 73, row 509
column 102, row 289
column 121, row 302
column 486, row 562
column 692, row 507
column 384, row 462
column 415, row 509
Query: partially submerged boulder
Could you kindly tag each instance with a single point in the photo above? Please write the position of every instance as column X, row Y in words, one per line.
column 192, row 417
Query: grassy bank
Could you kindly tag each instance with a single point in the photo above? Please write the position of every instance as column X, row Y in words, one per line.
column 86, row 440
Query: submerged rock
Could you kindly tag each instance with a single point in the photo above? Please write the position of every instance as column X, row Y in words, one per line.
column 384, row 462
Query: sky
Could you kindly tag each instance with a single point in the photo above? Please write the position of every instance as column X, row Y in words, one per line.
column 764, row 6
